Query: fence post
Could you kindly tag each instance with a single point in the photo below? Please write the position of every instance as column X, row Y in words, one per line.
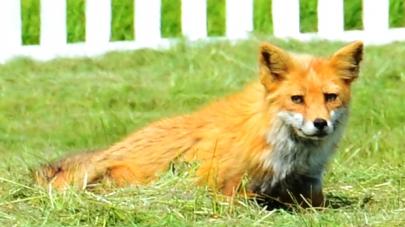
column 147, row 21
column 98, row 22
column 239, row 18
column 376, row 16
column 10, row 23
column 330, row 18
column 286, row 18
column 194, row 19
column 10, row 27
column 53, row 23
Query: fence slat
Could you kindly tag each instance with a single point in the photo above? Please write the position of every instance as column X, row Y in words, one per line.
column 147, row 21
column 375, row 15
column 53, row 23
column 286, row 18
column 330, row 18
column 98, row 22
column 194, row 19
column 239, row 18
column 10, row 23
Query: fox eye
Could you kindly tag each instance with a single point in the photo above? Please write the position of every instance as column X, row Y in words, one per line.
column 297, row 99
column 330, row 97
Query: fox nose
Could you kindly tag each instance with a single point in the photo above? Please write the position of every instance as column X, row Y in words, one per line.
column 320, row 123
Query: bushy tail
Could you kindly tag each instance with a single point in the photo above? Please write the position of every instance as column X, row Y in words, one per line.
column 77, row 171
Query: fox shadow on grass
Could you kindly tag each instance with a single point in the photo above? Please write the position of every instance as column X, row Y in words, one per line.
column 340, row 201
column 333, row 201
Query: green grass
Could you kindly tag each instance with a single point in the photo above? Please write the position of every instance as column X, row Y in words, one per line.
column 67, row 105
column 122, row 13
column 51, row 109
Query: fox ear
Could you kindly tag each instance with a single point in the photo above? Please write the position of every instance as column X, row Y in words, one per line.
column 274, row 63
column 347, row 61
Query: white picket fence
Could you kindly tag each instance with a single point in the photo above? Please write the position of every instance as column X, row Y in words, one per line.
column 239, row 24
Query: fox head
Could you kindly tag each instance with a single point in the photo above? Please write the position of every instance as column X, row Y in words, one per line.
column 311, row 95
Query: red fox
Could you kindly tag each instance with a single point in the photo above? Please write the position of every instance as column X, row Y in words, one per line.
column 278, row 133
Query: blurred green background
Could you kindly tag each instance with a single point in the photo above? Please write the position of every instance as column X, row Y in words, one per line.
column 122, row 22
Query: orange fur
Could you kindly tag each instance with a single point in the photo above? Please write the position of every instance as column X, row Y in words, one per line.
column 228, row 138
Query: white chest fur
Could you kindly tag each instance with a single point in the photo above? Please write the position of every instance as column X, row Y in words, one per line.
column 291, row 155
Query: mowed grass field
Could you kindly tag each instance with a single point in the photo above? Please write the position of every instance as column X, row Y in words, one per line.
column 48, row 110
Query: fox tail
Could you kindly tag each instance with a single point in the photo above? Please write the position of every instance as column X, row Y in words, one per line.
column 78, row 170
